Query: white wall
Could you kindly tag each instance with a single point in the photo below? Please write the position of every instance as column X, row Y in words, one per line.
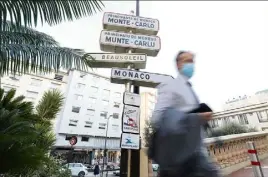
column 87, row 92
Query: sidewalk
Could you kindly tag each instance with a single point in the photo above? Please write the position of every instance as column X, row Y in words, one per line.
column 248, row 172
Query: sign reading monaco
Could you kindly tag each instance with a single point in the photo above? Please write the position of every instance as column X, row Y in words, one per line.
column 130, row 141
column 139, row 78
column 109, row 60
column 131, row 119
column 123, row 22
column 119, row 42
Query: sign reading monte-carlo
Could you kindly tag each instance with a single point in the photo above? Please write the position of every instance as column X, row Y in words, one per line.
column 123, row 22
column 119, row 42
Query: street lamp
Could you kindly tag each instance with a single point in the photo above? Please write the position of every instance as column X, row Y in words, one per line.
column 105, row 142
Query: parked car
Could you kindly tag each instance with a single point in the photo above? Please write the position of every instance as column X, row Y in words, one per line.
column 77, row 169
column 155, row 166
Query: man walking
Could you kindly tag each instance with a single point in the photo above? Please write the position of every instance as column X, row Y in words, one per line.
column 177, row 145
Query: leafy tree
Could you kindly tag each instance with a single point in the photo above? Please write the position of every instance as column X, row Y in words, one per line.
column 32, row 12
column 148, row 131
column 25, row 134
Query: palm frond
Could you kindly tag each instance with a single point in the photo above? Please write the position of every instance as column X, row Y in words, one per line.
column 11, row 33
column 28, row 58
column 30, row 12
column 50, row 105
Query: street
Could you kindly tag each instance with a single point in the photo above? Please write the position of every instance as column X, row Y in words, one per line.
column 110, row 174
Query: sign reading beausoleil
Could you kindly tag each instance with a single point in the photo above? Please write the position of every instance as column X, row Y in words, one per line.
column 130, row 141
column 109, row 60
column 118, row 42
column 123, row 22
column 132, row 99
column 139, row 78
column 131, row 119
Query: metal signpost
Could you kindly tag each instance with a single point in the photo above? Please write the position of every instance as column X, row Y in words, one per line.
column 130, row 51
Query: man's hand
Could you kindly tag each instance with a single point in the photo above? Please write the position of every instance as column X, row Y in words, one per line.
column 207, row 116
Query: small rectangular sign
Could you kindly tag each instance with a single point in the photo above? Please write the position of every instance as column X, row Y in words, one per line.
column 139, row 78
column 131, row 119
column 132, row 99
column 119, row 42
column 123, row 22
column 110, row 60
column 130, row 141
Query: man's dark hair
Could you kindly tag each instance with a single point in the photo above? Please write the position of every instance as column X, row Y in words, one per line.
column 179, row 54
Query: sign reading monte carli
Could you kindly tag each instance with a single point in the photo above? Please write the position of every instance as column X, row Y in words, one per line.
column 123, row 22
column 109, row 60
column 119, row 42
column 139, row 78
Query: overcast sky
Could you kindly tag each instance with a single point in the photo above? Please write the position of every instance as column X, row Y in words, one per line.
column 230, row 40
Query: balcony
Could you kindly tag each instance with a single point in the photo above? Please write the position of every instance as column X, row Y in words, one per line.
column 231, row 157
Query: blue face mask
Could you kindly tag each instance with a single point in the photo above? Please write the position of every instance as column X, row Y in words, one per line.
column 188, row 70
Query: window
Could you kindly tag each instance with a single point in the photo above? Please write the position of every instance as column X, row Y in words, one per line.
column 73, row 123
column 15, row 77
column 77, row 165
column 58, row 77
column 102, row 125
column 105, row 103
column 96, row 78
column 106, row 93
column 242, row 118
column 36, row 82
column 68, row 138
column 54, row 85
column 117, row 94
column 80, row 86
column 75, row 109
column 78, row 97
column 7, row 88
column 92, row 100
column 262, row 116
column 90, row 112
column 84, row 138
column 115, row 127
column 31, row 95
column 94, row 89
column 116, row 105
column 115, row 115
column 103, row 114
column 88, row 124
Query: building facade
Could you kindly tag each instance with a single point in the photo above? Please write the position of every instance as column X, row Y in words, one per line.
column 148, row 100
column 92, row 109
column 253, row 116
column 33, row 86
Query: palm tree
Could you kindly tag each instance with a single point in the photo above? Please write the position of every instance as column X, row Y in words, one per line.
column 24, row 50
column 25, row 134
column 30, row 12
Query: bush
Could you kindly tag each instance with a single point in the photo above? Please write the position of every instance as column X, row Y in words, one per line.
column 230, row 129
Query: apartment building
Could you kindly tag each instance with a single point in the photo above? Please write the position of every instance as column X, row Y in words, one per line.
column 92, row 109
column 148, row 100
column 253, row 116
column 242, row 101
column 33, row 86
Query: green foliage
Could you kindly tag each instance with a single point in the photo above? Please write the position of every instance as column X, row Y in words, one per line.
column 230, row 129
column 25, row 50
column 30, row 12
column 148, row 131
column 26, row 135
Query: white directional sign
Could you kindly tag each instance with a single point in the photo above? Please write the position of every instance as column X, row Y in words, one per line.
column 123, row 22
column 132, row 99
column 131, row 119
column 119, row 42
column 109, row 60
column 130, row 141
column 139, row 78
